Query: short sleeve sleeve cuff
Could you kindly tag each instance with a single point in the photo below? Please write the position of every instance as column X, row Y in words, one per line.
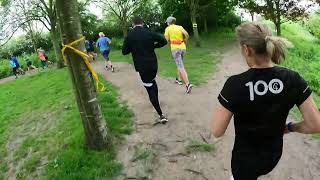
column 226, row 96
column 303, row 90
column 225, row 103
column 304, row 95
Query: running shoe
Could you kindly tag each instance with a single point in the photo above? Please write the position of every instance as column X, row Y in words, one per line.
column 112, row 69
column 163, row 119
column 189, row 88
column 178, row 81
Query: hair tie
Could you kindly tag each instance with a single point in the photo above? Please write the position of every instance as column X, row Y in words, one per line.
column 267, row 38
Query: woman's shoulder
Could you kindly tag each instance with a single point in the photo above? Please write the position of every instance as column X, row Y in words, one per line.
column 286, row 71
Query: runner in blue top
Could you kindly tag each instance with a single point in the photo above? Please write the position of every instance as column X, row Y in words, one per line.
column 90, row 49
column 18, row 68
column 13, row 65
column 103, row 43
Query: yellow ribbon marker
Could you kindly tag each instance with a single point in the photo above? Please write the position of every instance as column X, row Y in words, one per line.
column 85, row 57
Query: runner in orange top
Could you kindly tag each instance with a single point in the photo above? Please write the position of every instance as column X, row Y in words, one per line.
column 177, row 36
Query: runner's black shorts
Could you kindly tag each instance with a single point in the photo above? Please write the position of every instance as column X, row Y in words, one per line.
column 29, row 63
column 148, row 76
column 106, row 54
column 251, row 160
column 14, row 70
column 90, row 50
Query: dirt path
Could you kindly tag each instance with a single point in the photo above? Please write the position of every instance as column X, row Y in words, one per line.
column 158, row 152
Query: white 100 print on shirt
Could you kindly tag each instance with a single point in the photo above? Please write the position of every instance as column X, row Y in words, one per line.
column 275, row 86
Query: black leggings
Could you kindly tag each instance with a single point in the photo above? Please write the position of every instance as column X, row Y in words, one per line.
column 153, row 96
column 148, row 79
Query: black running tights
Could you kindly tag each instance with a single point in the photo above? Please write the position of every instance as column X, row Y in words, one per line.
column 153, row 96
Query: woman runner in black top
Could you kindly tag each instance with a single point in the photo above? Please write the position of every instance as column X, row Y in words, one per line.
column 260, row 100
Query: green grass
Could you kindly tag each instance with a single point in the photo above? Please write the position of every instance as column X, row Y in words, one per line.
column 200, row 62
column 305, row 59
column 305, row 56
column 198, row 146
column 40, row 119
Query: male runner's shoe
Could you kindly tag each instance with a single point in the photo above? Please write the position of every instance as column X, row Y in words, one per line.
column 189, row 88
column 163, row 119
column 112, row 69
column 178, row 81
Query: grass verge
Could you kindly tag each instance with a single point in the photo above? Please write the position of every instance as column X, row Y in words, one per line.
column 305, row 59
column 41, row 134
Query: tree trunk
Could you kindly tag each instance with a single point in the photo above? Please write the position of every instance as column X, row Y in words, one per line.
column 195, row 30
column 205, row 25
column 252, row 16
column 278, row 18
column 93, row 121
column 56, row 47
column 33, row 40
column 124, row 26
column 124, row 31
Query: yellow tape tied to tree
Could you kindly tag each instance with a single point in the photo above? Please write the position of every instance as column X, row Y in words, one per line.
column 85, row 57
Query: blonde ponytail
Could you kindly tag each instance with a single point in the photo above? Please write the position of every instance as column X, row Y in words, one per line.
column 259, row 38
column 276, row 48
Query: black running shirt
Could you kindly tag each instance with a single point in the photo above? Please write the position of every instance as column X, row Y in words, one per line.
column 261, row 99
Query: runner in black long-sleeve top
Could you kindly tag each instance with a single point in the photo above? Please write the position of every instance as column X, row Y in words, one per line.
column 141, row 43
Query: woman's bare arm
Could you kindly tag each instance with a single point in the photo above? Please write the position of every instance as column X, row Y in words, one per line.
column 311, row 118
column 220, row 121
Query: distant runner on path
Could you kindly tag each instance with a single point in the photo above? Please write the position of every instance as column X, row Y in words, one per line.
column 104, row 43
column 90, row 49
column 141, row 43
column 18, row 68
column 260, row 100
column 43, row 58
column 14, row 67
column 177, row 36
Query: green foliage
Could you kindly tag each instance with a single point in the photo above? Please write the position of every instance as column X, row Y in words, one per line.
column 44, row 124
column 218, row 13
column 305, row 56
column 23, row 44
column 313, row 25
column 150, row 12
column 117, row 43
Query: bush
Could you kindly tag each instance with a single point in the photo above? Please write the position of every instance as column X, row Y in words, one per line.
column 23, row 44
column 314, row 25
column 6, row 71
column 117, row 43
column 305, row 56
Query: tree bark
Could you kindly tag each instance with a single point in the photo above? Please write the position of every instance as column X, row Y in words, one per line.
column 33, row 40
column 278, row 27
column 56, row 47
column 124, row 31
column 278, row 17
column 93, row 121
column 205, row 25
column 195, row 30
column 252, row 16
column 193, row 8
